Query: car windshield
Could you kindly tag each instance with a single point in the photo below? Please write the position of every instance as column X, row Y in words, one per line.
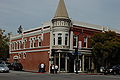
column 2, row 66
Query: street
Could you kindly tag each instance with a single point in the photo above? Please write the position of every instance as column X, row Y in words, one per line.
column 19, row 75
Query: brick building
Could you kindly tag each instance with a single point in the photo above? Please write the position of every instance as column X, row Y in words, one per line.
column 54, row 43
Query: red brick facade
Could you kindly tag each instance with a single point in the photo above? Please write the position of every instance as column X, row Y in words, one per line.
column 31, row 57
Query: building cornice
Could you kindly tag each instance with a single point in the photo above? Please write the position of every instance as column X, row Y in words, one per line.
column 29, row 51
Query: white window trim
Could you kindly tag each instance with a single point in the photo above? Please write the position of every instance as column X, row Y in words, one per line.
column 61, row 38
column 67, row 39
column 76, row 41
column 32, row 41
column 39, row 38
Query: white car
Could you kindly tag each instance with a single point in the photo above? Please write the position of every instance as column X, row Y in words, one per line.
column 4, row 68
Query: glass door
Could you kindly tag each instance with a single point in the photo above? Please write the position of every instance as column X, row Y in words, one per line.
column 77, row 63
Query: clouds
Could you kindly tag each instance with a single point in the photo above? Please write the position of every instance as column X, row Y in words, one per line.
column 32, row 13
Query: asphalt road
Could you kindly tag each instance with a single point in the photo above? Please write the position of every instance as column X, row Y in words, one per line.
column 18, row 75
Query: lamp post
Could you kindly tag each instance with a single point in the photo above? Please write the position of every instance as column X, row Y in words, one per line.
column 76, row 62
column 54, row 59
column 76, row 54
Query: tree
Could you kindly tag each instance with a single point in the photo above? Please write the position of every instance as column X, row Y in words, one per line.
column 106, row 49
column 4, row 45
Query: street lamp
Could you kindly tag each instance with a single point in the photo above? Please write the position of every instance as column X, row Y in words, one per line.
column 76, row 62
column 76, row 54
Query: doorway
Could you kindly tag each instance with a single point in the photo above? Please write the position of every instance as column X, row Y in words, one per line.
column 79, row 65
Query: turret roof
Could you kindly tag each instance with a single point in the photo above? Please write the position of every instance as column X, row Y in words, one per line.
column 61, row 11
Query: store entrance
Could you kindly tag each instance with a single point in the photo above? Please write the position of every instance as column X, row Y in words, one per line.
column 71, row 63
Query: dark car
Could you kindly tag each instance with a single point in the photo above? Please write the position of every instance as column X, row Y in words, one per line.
column 112, row 70
column 17, row 66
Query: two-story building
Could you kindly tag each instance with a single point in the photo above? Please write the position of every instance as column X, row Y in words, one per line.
column 55, row 42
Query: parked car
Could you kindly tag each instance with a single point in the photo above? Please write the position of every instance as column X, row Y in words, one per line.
column 16, row 66
column 4, row 68
column 112, row 70
column 7, row 64
column 102, row 69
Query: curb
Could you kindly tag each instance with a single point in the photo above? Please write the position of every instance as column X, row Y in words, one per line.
column 90, row 74
column 66, row 73
column 35, row 72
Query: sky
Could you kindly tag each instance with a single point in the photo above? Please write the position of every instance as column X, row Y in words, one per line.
column 33, row 13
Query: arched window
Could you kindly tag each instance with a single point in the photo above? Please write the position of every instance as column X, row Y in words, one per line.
column 25, row 43
column 39, row 41
column 34, row 42
column 31, row 43
column 20, row 44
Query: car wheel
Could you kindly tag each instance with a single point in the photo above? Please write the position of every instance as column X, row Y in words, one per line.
column 114, row 73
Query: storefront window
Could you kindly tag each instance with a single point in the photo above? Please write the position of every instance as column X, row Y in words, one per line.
column 62, row 62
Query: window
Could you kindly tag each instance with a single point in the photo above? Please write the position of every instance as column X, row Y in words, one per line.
column 25, row 41
column 34, row 42
column 31, row 43
column 39, row 41
column 62, row 23
column 58, row 23
column 85, row 42
column 20, row 44
column 66, row 39
column 59, row 38
column 75, row 39
column 15, row 45
column 12, row 46
column 53, row 39
column 24, row 55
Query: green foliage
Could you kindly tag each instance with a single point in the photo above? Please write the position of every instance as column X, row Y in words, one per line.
column 4, row 45
column 106, row 49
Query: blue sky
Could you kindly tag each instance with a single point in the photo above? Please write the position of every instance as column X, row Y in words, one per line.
column 32, row 13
